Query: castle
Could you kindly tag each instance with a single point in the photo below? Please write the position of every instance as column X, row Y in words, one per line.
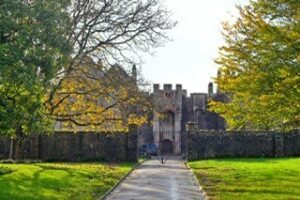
column 173, row 109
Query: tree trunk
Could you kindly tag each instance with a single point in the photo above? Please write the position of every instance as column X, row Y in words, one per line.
column 18, row 150
column 11, row 149
column 15, row 151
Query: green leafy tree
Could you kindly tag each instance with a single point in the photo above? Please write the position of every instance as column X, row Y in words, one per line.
column 260, row 67
column 33, row 48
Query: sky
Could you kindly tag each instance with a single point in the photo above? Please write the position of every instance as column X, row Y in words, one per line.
column 189, row 58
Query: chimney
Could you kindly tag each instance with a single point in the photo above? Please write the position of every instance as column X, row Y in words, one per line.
column 134, row 73
column 210, row 89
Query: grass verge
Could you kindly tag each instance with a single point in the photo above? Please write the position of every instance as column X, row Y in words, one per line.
column 249, row 178
column 63, row 181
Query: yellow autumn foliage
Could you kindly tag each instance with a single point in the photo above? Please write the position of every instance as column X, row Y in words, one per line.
column 95, row 98
column 259, row 67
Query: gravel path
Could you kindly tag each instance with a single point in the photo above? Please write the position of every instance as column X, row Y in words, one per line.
column 153, row 180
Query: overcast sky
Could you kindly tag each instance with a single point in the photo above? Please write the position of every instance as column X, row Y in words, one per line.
column 189, row 59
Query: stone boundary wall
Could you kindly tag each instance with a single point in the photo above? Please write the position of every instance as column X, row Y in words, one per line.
column 80, row 146
column 210, row 144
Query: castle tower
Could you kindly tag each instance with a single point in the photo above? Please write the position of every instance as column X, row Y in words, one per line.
column 167, row 118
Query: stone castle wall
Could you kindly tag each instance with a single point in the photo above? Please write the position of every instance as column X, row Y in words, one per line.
column 81, row 146
column 211, row 144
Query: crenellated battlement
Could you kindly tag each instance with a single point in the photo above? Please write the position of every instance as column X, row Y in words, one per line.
column 167, row 103
column 166, row 87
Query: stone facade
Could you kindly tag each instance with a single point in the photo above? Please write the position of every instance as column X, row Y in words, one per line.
column 95, row 71
column 167, row 118
column 173, row 108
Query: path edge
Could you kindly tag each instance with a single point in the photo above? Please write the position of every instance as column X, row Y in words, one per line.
column 121, row 180
column 206, row 197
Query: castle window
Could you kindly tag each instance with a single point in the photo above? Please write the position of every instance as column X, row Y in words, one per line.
column 167, row 94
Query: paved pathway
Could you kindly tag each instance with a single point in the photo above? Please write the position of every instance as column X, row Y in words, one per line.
column 155, row 181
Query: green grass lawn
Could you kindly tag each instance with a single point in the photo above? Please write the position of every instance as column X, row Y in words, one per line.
column 249, row 178
column 44, row 181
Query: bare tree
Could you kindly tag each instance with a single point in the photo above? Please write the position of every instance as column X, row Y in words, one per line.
column 113, row 30
column 110, row 31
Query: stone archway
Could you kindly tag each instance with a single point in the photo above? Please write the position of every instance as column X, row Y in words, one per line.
column 166, row 147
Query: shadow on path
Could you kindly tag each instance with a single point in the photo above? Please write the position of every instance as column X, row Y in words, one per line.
column 153, row 180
